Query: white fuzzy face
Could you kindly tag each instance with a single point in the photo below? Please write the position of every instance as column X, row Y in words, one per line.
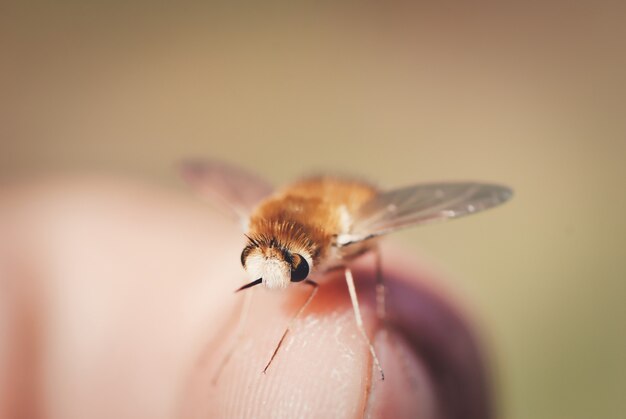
column 276, row 273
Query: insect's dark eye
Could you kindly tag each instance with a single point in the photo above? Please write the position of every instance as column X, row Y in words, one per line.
column 244, row 255
column 299, row 268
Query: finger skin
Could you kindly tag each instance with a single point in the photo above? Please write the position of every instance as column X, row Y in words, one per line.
column 135, row 310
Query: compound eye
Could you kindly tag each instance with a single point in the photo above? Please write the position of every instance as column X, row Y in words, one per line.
column 299, row 268
column 244, row 255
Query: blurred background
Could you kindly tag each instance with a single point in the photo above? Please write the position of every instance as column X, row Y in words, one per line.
column 530, row 95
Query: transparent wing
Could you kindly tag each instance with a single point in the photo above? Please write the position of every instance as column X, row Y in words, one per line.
column 234, row 190
column 420, row 204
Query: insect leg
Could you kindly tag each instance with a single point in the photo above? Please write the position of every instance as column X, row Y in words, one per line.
column 315, row 286
column 243, row 317
column 359, row 319
column 380, row 286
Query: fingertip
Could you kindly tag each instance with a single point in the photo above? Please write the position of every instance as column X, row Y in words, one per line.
column 323, row 368
column 429, row 356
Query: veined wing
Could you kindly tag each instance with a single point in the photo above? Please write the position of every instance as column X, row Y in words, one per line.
column 233, row 190
column 420, row 204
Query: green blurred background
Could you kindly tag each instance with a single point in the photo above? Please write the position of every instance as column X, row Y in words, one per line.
column 529, row 95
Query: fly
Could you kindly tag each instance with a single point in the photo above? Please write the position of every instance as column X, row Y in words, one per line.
column 321, row 223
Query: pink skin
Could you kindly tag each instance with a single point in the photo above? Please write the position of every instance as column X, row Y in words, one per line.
column 116, row 300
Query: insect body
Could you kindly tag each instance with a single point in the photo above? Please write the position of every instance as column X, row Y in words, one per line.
column 321, row 223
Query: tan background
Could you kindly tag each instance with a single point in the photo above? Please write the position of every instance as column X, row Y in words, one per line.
column 529, row 96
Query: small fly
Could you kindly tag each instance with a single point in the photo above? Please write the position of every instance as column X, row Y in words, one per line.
column 321, row 223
